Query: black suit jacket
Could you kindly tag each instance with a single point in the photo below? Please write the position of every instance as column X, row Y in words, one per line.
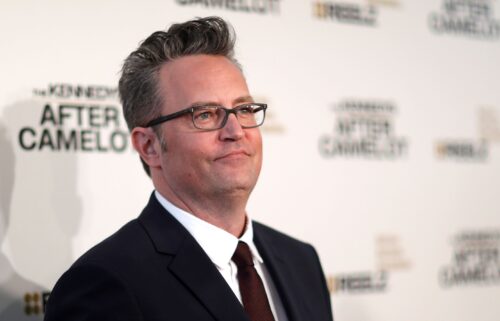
column 153, row 269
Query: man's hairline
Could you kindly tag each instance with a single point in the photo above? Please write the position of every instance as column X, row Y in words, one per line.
column 159, row 89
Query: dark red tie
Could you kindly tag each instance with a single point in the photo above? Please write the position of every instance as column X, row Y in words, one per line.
column 252, row 289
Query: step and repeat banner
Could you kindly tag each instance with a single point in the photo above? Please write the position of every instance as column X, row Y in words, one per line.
column 381, row 143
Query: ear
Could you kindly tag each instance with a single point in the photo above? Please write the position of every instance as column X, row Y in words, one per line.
column 147, row 145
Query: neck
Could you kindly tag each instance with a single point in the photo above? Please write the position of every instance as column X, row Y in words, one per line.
column 226, row 212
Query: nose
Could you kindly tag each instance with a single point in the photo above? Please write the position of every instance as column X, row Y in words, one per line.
column 232, row 130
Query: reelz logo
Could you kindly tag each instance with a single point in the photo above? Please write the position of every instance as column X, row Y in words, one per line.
column 363, row 129
column 473, row 18
column 249, row 6
column 476, row 260
column 342, row 12
column 78, row 118
column 357, row 283
column 462, row 150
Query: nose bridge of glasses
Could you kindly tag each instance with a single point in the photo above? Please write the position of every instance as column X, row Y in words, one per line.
column 228, row 112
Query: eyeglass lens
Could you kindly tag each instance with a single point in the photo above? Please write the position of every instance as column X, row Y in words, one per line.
column 212, row 117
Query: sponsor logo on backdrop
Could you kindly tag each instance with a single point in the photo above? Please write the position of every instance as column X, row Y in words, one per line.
column 35, row 302
column 358, row 282
column 473, row 150
column 249, row 6
column 462, row 150
column 364, row 129
column 364, row 13
column 390, row 3
column 475, row 259
column 470, row 18
column 489, row 124
column 272, row 124
column 390, row 254
column 390, row 257
column 76, row 118
column 345, row 12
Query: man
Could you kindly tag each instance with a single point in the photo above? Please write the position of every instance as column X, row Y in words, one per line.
column 193, row 253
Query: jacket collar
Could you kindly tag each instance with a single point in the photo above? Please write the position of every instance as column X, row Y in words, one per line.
column 190, row 264
column 282, row 272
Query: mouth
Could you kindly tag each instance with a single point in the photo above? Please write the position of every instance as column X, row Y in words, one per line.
column 234, row 155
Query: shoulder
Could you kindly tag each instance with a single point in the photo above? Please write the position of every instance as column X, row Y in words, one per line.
column 94, row 286
column 281, row 242
column 102, row 284
column 264, row 231
column 124, row 244
column 90, row 292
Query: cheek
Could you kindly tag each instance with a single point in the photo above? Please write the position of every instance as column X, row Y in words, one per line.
column 189, row 153
column 256, row 140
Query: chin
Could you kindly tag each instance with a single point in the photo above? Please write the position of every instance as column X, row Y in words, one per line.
column 237, row 187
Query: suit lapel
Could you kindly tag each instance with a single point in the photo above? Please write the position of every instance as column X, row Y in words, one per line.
column 198, row 273
column 282, row 274
column 190, row 264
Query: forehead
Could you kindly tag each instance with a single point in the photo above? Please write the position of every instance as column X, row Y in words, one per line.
column 201, row 79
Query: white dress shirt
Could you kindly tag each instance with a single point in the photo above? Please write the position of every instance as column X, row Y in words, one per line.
column 220, row 246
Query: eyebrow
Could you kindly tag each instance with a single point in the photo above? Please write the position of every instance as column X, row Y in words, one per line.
column 242, row 99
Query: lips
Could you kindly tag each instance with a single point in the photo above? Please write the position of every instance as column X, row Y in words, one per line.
column 233, row 155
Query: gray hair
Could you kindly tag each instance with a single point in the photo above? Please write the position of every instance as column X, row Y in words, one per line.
column 140, row 94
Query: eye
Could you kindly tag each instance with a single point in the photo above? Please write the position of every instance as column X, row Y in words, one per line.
column 245, row 111
column 205, row 114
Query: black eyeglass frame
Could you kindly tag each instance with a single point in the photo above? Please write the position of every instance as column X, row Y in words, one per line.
column 190, row 110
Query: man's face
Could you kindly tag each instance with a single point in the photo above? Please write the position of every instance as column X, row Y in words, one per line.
column 214, row 163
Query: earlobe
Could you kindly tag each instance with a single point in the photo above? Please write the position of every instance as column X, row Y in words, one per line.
column 146, row 144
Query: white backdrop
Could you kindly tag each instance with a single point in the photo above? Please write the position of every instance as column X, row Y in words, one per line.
column 381, row 146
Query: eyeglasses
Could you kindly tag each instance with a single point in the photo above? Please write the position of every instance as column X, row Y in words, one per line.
column 215, row 117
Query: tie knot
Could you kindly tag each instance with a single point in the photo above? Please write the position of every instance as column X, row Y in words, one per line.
column 242, row 257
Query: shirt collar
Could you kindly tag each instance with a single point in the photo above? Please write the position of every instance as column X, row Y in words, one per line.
column 216, row 242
